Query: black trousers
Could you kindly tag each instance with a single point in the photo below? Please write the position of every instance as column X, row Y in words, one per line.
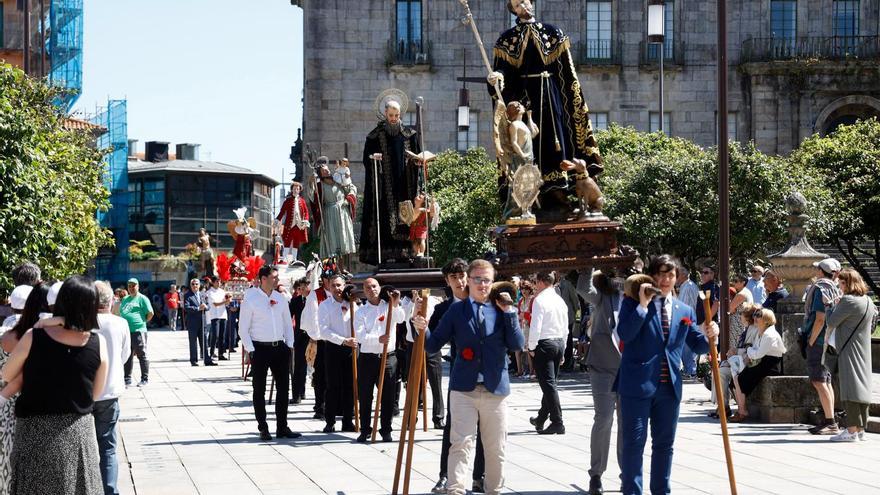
column 139, row 349
column 298, row 369
column 434, row 365
column 339, row 395
column 569, row 352
column 319, row 378
column 195, row 333
column 548, row 354
column 276, row 358
column 368, row 380
column 479, row 456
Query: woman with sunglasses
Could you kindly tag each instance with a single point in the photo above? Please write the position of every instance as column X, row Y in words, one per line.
column 762, row 359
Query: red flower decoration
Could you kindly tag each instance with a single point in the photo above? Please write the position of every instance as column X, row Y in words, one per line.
column 272, row 302
column 687, row 321
column 381, row 317
column 467, row 354
column 344, row 309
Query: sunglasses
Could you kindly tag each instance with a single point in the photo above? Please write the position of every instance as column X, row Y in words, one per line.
column 482, row 281
column 706, row 272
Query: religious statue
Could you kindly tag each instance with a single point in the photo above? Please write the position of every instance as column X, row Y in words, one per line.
column 242, row 230
column 590, row 199
column 342, row 174
column 533, row 64
column 295, row 217
column 333, row 209
column 418, row 214
column 389, row 181
column 207, row 259
column 516, row 137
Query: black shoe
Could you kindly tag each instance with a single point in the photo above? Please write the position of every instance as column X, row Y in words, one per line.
column 223, row 358
column 829, row 427
column 539, row 425
column 265, row 436
column 329, row 428
column 294, row 401
column 478, row 486
column 386, row 437
column 596, row 485
column 318, row 415
column 396, row 411
column 362, row 438
column 143, row 382
column 287, row 433
column 233, row 350
column 348, row 427
column 553, row 429
column 440, row 487
column 194, row 364
column 714, row 414
column 439, row 424
column 128, row 382
column 211, row 363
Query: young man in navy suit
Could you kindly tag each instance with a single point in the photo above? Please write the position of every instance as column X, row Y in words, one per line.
column 654, row 331
column 479, row 384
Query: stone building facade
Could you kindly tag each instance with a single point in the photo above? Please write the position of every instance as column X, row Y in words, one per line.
column 797, row 67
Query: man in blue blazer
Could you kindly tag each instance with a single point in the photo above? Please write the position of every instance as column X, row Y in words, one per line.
column 479, row 384
column 653, row 330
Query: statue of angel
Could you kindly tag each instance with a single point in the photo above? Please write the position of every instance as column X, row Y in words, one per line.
column 242, row 231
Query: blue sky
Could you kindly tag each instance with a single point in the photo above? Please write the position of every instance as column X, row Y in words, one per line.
column 221, row 73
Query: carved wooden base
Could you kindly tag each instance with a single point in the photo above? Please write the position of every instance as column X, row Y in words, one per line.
column 405, row 279
column 560, row 246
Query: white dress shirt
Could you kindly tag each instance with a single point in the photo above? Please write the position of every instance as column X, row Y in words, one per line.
column 216, row 295
column 309, row 316
column 264, row 319
column 549, row 318
column 334, row 320
column 410, row 311
column 370, row 322
column 118, row 338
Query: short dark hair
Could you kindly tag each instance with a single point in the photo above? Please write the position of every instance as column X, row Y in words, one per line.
column 739, row 277
column 336, row 275
column 662, row 263
column 548, row 278
column 455, row 265
column 78, row 304
column 26, row 273
column 265, row 271
column 301, row 281
column 35, row 304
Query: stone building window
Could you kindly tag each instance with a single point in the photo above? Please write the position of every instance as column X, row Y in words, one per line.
column 654, row 122
column 783, row 19
column 409, row 45
column 469, row 137
column 846, row 24
column 598, row 42
column 408, row 120
column 668, row 34
column 600, row 121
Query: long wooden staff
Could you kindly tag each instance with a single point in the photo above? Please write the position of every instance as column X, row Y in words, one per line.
column 424, row 387
column 411, row 410
column 382, row 364
column 469, row 19
column 719, row 398
column 354, row 370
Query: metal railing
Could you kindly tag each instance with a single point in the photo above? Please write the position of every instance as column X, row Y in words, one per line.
column 673, row 53
column 403, row 52
column 823, row 48
column 599, row 52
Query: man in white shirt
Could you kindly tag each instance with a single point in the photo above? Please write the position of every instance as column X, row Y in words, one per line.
column 309, row 323
column 334, row 323
column 217, row 314
column 106, row 409
column 688, row 293
column 547, row 333
column 755, row 284
column 266, row 333
column 376, row 327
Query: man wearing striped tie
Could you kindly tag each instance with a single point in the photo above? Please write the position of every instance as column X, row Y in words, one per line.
column 654, row 330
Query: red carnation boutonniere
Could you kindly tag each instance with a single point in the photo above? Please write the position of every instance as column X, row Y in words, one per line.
column 687, row 321
column 381, row 317
column 467, row 354
column 344, row 309
column 272, row 302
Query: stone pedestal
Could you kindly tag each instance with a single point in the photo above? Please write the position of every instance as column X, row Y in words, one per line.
column 783, row 399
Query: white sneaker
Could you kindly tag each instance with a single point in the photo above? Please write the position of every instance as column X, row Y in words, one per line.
column 862, row 436
column 845, row 436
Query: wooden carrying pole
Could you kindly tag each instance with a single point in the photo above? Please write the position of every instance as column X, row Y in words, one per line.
column 411, row 408
column 354, row 370
column 719, row 398
column 424, row 386
column 382, row 370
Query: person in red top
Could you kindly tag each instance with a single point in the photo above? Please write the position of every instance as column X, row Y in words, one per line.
column 172, row 303
column 295, row 215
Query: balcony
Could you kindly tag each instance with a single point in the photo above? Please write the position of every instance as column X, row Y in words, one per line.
column 408, row 53
column 816, row 48
column 599, row 52
column 673, row 53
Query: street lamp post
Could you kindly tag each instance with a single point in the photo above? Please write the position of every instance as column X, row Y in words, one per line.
column 656, row 35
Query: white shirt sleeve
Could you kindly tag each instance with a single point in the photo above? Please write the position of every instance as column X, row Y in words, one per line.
column 536, row 323
column 309, row 317
column 244, row 324
column 287, row 325
column 325, row 320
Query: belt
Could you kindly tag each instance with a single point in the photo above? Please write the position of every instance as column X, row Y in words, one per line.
column 553, row 339
column 268, row 344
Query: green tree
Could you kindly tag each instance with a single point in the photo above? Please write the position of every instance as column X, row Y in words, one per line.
column 50, row 183
column 849, row 162
column 466, row 188
column 664, row 192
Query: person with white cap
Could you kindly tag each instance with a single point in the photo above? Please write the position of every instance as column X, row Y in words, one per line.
column 820, row 298
column 52, row 297
column 16, row 300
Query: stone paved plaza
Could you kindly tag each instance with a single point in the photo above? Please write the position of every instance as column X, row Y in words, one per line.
column 192, row 431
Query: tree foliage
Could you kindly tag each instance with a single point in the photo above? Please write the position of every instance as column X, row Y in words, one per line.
column 50, row 183
column 849, row 161
column 466, row 188
column 664, row 192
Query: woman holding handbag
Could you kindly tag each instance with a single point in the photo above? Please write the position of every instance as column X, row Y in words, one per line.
column 852, row 322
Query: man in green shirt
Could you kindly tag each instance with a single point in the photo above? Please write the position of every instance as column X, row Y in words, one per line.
column 137, row 310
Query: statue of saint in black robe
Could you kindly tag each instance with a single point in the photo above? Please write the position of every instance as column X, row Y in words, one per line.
column 522, row 53
column 397, row 181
